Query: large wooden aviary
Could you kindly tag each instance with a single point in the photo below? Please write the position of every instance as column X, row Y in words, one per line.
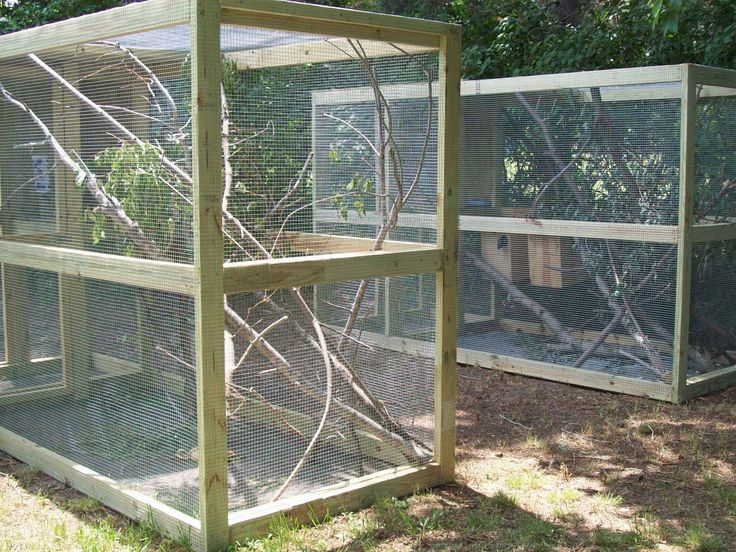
column 162, row 283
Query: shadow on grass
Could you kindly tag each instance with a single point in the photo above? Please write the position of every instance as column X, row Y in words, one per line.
column 670, row 464
column 450, row 518
column 61, row 518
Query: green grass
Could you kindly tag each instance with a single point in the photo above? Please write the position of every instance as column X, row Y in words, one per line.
column 604, row 502
column 503, row 502
column 108, row 535
column 698, row 539
column 533, row 534
column 725, row 493
column 524, row 480
column 611, row 541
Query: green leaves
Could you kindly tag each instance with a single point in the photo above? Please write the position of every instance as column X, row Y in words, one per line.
column 356, row 190
column 148, row 192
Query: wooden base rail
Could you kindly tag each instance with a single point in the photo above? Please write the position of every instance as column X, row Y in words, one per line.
column 712, row 381
column 586, row 378
column 353, row 495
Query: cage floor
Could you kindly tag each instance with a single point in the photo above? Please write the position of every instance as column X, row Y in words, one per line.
column 532, row 347
column 147, row 442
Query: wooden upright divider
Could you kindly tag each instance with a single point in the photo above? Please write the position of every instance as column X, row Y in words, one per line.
column 448, row 173
column 75, row 340
column 685, row 234
column 209, row 301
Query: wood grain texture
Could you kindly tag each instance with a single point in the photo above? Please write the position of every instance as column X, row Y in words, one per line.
column 208, row 258
column 685, row 235
column 448, row 172
column 134, row 18
column 328, row 268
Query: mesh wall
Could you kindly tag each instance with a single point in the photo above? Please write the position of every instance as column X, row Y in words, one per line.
column 366, row 156
column 310, row 179
column 127, row 142
column 129, row 413
column 582, row 154
column 712, row 323
column 276, row 404
column 95, row 155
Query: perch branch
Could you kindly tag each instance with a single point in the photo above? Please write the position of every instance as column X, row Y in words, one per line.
column 328, row 401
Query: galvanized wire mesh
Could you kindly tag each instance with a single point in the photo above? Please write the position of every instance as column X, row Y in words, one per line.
column 312, row 179
column 275, row 405
column 95, row 156
column 574, row 157
column 590, row 156
column 712, row 323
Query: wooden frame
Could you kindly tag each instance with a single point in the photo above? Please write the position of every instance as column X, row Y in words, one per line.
column 696, row 80
column 207, row 279
column 685, row 83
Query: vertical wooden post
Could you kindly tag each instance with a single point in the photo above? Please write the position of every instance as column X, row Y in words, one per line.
column 684, row 234
column 448, row 175
column 15, row 304
column 75, row 344
column 208, row 259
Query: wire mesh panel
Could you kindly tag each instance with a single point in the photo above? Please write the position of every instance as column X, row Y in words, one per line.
column 298, row 423
column 93, row 129
column 712, row 338
column 95, row 157
column 571, row 159
column 313, row 403
column 129, row 414
column 374, row 147
column 712, row 324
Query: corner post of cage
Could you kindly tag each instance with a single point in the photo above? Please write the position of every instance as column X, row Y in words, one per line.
column 208, row 261
column 688, row 116
column 448, row 174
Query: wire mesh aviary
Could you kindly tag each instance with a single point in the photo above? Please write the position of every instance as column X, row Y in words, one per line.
column 106, row 264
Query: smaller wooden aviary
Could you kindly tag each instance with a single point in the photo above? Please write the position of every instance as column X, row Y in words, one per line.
column 597, row 236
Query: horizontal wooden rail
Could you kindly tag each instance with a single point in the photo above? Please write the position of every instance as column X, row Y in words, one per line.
column 158, row 275
column 329, row 243
column 714, row 232
column 331, row 21
column 660, row 391
column 322, row 51
column 652, row 233
column 131, row 503
column 332, row 267
column 130, row 19
column 713, row 76
column 712, row 381
column 352, row 495
column 571, row 228
column 417, row 91
column 582, row 79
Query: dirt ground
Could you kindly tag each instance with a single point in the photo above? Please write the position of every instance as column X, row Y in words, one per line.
column 541, row 466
